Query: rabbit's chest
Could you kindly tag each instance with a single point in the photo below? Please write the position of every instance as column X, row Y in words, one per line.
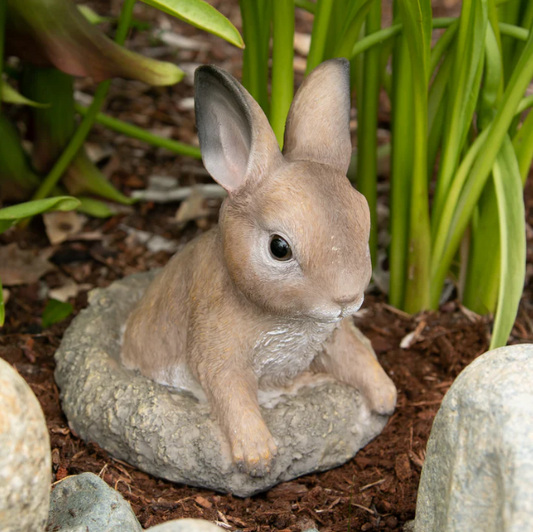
column 286, row 349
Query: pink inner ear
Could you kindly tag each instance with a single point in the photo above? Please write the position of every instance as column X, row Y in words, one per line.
column 235, row 153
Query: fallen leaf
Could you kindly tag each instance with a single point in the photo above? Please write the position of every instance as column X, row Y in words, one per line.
column 68, row 290
column 56, row 311
column 62, row 225
column 23, row 267
column 193, row 208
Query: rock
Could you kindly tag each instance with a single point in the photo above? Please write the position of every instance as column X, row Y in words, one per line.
column 85, row 503
column 478, row 472
column 171, row 435
column 186, row 525
column 25, row 458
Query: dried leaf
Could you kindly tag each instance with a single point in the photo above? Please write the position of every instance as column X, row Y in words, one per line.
column 23, row 267
column 193, row 208
column 62, row 225
column 68, row 290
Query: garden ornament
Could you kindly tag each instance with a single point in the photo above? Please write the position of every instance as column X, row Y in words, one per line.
column 269, row 292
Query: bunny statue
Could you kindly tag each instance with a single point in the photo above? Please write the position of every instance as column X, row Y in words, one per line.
column 269, row 292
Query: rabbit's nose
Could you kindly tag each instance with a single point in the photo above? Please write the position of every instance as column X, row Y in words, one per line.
column 350, row 305
column 347, row 300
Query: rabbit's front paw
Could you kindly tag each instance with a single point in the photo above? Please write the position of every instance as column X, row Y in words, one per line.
column 382, row 396
column 253, row 448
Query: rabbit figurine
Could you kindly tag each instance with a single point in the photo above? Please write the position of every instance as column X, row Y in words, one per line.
column 269, row 292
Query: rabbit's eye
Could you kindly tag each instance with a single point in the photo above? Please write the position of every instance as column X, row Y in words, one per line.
column 279, row 248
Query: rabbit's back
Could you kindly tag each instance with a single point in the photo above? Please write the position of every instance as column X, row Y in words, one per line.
column 156, row 333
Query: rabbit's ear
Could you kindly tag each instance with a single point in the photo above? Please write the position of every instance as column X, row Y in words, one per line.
column 237, row 142
column 318, row 125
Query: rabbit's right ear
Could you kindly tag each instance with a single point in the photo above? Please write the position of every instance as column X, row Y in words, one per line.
column 237, row 142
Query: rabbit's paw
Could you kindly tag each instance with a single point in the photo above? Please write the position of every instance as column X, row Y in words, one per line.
column 253, row 449
column 382, row 397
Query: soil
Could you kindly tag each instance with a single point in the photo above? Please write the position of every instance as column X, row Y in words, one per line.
column 374, row 491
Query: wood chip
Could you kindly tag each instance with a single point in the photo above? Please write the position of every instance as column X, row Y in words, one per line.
column 402, row 467
column 204, row 503
column 410, row 339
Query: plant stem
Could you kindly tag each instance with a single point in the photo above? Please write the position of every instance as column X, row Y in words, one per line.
column 81, row 133
column 138, row 133
column 282, row 68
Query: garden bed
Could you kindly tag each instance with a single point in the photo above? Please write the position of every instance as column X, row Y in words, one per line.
column 375, row 490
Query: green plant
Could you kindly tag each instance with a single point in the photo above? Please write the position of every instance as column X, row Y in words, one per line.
column 461, row 103
column 56, row 40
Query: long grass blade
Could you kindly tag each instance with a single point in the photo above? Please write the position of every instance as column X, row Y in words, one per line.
column 402, row 150
column 449, row 234
column 319, row 34
column 367, row 113
column 508, row 185
column 282, row 69
column 416, row 17
column 256, row 18
column 463, row 89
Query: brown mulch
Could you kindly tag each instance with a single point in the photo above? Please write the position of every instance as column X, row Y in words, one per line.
column 375, row 490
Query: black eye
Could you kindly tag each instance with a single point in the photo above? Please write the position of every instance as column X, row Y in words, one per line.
column 279, row 248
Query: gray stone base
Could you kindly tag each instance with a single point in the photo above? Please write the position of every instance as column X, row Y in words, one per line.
column 478, row 472
column 171, row 435
column 25, row 461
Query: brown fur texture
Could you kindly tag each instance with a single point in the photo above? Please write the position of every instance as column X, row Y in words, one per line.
column 225, row 318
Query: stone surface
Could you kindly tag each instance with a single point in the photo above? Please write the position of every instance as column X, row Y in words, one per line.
column 172, row 435
column 478, row 472
column 25, row 460
column 85, row 503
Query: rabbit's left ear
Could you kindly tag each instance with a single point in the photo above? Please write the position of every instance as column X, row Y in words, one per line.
column 318, row 125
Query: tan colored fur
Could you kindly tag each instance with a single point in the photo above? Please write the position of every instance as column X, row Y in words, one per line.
column 224, row 318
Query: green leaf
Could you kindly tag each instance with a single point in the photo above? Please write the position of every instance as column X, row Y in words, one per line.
column 9, row 216
column 55, row 311
column 201, row 15
column 17, row 179
column 10, row 95
column 95, row 208
column 55, row 33
column 92, row 16
column 508, row 184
